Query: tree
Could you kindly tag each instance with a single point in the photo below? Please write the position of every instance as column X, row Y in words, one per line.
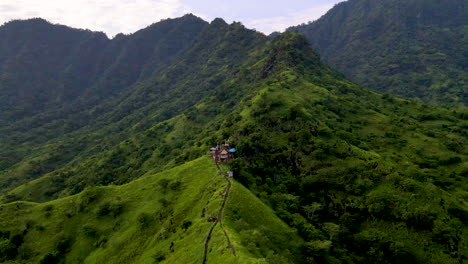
column 311, row 209
column 331, row 229
column 7, row 250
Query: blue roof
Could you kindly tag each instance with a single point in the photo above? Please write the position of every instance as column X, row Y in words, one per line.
column 232, row 150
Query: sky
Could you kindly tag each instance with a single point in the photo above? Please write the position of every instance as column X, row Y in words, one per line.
column 128, row 16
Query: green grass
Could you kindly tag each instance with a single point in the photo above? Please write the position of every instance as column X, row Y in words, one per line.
column 122, row 237
column 132, row 224
column 255, row 228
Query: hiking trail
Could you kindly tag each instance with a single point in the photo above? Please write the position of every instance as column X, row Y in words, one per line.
column 219, row 219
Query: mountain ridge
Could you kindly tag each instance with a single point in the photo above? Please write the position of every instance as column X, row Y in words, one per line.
column 346, row 173
column 408, row 48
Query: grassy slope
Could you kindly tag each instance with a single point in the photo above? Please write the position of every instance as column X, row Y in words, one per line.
column 134, row 222
column 253, row 223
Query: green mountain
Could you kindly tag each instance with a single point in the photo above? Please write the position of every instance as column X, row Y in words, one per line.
column 48, row 67
column 326, row 171
column 414, row 48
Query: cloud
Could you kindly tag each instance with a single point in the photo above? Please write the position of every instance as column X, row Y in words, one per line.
column 110, row 16
column 280, row 23
column 127, row 16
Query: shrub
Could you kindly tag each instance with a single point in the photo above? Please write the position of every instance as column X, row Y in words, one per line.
column 186, row 224
column 164, row 202
column 164, row 183
column 48, row 208
column 63, row 245
column 175, row 186
column 450, row 161
column 109, row 208
column 5, row 234
column 318, row 247
column 17, row 240
column 7, row 250
column 50, row 259
column 89, row 231
column 144, row 220
column 159, row 256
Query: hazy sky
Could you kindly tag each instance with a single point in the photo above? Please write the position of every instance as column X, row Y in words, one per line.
column 127, row 16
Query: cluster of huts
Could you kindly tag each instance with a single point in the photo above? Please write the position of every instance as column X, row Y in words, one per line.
column 222, row 153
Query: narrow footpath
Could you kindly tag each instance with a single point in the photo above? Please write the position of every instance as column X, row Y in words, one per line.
column 219, row 219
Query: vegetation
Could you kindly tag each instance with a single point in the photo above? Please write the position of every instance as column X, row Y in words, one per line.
column 138, row 222
column 326, row 171
column 414, row 48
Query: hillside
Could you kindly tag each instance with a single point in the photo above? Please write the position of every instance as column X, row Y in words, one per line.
column 35, row 146
column 415, row 48
column 158, row 218
column 326, row 171
column 47, row 67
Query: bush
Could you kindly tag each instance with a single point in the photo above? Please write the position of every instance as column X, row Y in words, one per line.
column 164, row 202
column 109, row 208
column 17, row 240
column 186, row 224
column 49, row 259
column 175, row 186
column 89, row 231
column 318, row 247
column 450, row 161
column 164, row 183
column 5, row 234
column 144, row 220
column 63, row 245
column 48, row 208
column 7, row 250
column 159, row 256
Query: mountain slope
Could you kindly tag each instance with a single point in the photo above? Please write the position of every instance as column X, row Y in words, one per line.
column 158, row 218
column 358, row 175
column 352, row 170
column 409, row 48
column 179, row 86
column 47, row 67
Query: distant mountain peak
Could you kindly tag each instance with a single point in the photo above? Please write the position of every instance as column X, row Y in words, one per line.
column 410, row 48
column 218, row 21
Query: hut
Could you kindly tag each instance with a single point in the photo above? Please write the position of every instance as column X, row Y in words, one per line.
column 231, row 152
column 224, row 155
column 230, row 174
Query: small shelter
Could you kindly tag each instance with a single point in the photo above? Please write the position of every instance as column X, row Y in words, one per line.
column 231, row 152
column 224, row 155
column 230, row 174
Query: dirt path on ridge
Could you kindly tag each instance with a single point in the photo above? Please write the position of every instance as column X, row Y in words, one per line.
column 219, row 219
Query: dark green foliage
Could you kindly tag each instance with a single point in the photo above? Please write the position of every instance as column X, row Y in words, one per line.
column 159, row 256
column 7, row 249
column 17, row 239
column 186, row 224
column 164, row 202
column 411, row 48
column 175, row 186
column 110, row 208
column 145, row 220
column 63, row 245
column 89, row 231
column 50, row 258
column 360, row 176
column 376, row 246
